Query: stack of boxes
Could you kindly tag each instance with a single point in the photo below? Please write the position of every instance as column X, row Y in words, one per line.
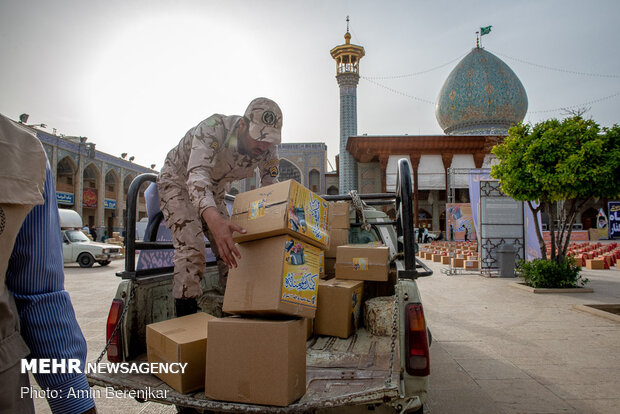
column 276, row 297
column 258, row 356
column 338, row 228
column 340, row 299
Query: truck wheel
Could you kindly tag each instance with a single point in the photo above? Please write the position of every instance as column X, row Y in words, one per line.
column 85, row 260
column 104, row 262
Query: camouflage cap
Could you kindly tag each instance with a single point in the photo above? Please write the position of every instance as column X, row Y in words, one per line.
column 265, row 118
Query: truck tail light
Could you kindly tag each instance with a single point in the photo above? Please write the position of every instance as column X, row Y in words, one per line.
column 416, row 341
column 114, row 350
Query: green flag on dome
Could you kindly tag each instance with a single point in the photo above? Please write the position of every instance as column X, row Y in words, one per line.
column 485, row 30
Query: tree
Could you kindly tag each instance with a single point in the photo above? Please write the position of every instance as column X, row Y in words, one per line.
column 557, row 167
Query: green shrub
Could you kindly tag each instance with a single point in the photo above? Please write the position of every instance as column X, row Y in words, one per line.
column 550, row 274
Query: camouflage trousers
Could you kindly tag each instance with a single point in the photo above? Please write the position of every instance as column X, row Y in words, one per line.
column 187, row 229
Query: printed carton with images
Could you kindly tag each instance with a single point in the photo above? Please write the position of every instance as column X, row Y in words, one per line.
column 256, row 361
column 362, row 262
column 339, row 309
column 180, row 340
column 282, row 208
column 278, row 275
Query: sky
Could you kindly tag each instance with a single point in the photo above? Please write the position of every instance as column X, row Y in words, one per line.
column 134, row 76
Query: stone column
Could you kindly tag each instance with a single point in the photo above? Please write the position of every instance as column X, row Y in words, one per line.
column 100, row 213
column 120, row 202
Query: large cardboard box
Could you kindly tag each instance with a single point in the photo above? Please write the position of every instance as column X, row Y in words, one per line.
column 278, row 275
column 180, row 340
column 256, row 361
column 337, row 237
column 362, row 262
column 339, row 309
column 282, row 208
column 595, row 264
column 338, row 215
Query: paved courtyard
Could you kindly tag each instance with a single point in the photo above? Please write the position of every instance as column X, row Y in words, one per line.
column 499, row 349
column 496, row 349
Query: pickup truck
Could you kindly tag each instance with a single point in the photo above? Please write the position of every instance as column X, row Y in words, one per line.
column 363, row 372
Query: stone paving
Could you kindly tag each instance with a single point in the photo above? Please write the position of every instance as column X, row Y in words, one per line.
column 496, row 349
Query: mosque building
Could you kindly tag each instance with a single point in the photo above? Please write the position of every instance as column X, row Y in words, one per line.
column 479, row 101
column 481, row 98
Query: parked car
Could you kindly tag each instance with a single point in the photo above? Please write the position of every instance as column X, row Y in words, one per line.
column 77, row 247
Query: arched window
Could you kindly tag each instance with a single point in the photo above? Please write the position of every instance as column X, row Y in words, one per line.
column 332, row 190
column 315, row 180
column 111, row 181
column 65, row 172
column 289, row 171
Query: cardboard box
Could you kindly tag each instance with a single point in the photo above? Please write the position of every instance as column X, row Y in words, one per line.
column 256, row 361
column 363, row 262
column 595, row 264
column 282, row 208
column 338, row 215
column 339, row 307
column 436, row 257
column 457, row 262
column 180, row 340
column 330, row 267
column 337, row 237
column 322, row 264
column 471, row 264
column 445, row 260
column 278, row 275
column 309, row 327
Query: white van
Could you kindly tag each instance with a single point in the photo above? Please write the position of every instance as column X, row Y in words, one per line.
column 76, row 247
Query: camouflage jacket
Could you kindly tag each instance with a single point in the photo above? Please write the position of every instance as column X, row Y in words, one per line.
column 207, row 161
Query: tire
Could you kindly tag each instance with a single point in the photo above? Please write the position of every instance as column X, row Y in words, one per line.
column 104, row 262
column 85, row 260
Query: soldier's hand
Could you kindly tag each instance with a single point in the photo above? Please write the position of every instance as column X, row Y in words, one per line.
column 222, row 231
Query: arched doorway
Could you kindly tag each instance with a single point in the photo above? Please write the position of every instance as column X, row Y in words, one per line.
column 90, row 191
column 314, row 178
column 588, row 218
column 65, row 183
column 425, row 219
column 332, row 190
column 289, row 171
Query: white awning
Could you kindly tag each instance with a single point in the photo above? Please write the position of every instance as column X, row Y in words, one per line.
column 462, row 163
column 431, row 173
column 392, row 171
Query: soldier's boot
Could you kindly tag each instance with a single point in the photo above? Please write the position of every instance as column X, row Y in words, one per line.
column 185, row 306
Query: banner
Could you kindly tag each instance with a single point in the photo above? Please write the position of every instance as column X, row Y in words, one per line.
column 459, row 222
column 109, row 204
column 614, row 219
column 89, row 198
column 64, row 198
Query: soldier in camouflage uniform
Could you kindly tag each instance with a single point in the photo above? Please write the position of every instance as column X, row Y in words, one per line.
column 195, row 177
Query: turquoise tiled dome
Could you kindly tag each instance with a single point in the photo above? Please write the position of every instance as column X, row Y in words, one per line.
column 482, row 95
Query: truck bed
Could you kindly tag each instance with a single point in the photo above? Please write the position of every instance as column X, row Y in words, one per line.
column 339, row 372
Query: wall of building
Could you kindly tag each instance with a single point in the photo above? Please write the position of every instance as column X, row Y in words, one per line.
column 91, row 182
